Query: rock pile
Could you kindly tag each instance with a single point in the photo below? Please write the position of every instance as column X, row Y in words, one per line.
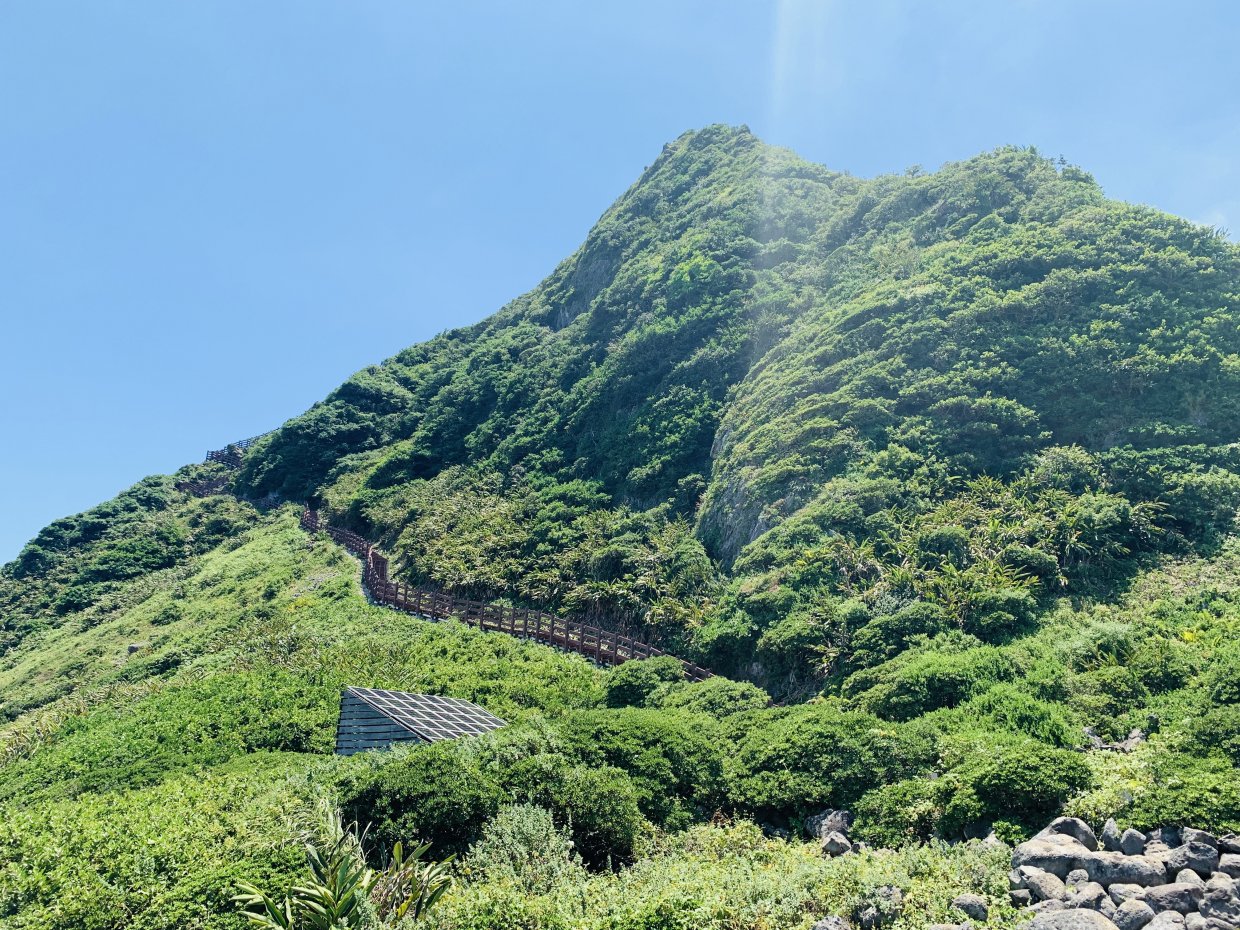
column 831, row 828
column 1168, row 878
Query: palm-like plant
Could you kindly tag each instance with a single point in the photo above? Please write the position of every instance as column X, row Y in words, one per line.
column 343, row 893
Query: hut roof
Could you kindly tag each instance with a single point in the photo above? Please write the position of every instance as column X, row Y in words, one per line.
column 430, row 716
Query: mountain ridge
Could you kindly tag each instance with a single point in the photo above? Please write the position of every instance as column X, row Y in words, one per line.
column 939, row 471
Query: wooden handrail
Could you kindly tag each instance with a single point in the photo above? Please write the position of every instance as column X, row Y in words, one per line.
column 603, row 646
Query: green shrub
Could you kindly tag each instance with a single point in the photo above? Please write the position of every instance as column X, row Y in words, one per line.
column 718, row 697
column 944, row 672
column 1223, row 679
column 1021, row 781
column 523, row 845
column 887, row 635
column 674, row 758
column 597, row 804
column 433, row 794
column 1163, row 664
column 1218, row 731
column 794, row 761
column 637, row 682
column 899, row 813
column 1010, row 708
column 1104, row 695
column 1188, row 789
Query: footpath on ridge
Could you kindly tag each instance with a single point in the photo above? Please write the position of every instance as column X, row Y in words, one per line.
column 602, row 646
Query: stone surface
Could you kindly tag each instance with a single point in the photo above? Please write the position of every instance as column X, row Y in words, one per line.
column 1189, row 877
column 1020, row 897
column 1108, row 868
column 827, row 822
column 1133, row 915
column 1121, row 892
column 1196, row 922
column 1074, row 827
column 1169, row 835
column 1043, row 906
column 1043, row 885
column 1110, row 836
column 1173, row 897
column 1189, row 835
column 1090, row 895
column 1220, row 882
column 1132, row 842
column 831, row 923
column 1229, row 843
column 1077, row 876
column 836, row 844
column 1220, row 904
column 1167, row 920
column 1229, row 864
column 972, row 905
column 1054, row 853
column 1200, row 857
column 1071, row 920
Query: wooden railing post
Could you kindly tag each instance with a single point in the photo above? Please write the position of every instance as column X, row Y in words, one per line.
column 603, row 646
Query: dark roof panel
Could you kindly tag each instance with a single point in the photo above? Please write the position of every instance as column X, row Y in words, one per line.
column 430, row 716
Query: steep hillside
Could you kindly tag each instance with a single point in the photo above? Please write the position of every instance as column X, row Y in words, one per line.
column 945, row 463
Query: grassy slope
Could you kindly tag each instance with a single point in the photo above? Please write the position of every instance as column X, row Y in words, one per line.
column 735, row 334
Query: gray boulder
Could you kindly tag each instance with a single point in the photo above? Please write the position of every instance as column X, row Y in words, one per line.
column 1121, row 892
column 1071, row 920
column 1020, row 897
column 1200, row 857
column 1074, row 827
column 1043, row 885
column 1173, row 897
column 1229, row 843
column 1132, row 842
column 836, row 844
column 1133, row 915
column 1189, row 877
column 1220, row 882
column 1169, row 835
column 1077, row 876
column 1229, row 864
column 1167, row 920
column 1054, row 853
column 1090, row 895
column 1110, row 835
column 972, row 905
column 1043, row 907
column 829, row 821
column 1189, row 835
column 831, row 923
column 1196, row 922
column 1109, row 868
column 1221, row 904
column 884, row 908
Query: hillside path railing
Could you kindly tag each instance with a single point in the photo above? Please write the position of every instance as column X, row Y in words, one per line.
column 602, row 646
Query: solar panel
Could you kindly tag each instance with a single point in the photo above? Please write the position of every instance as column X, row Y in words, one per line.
column 430, row 716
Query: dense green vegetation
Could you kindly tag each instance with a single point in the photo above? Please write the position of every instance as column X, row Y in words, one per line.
column 938, row 470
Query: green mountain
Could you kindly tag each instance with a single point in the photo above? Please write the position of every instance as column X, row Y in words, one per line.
column 945, row 464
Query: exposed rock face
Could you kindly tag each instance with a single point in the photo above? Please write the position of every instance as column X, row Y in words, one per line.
column 1169, row 878
column 829, row 821
column 836, row 844
column 1072, row 920
column 972, row 905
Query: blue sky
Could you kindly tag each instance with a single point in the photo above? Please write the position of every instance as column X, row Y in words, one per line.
column 213, row 213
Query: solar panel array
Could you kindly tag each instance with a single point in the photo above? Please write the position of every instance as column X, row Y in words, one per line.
column 430, row 716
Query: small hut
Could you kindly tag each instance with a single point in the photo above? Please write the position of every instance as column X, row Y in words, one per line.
column 374, row 719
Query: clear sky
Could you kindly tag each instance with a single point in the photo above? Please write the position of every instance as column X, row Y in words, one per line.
column 212, row 213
